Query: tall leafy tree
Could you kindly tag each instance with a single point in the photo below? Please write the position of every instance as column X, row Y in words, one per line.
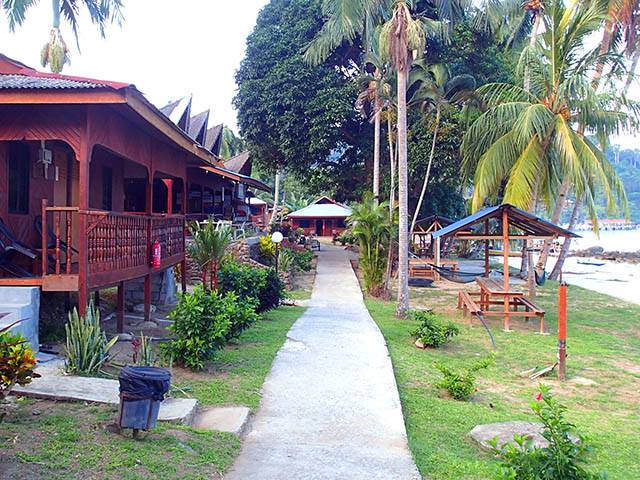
column 294, row 116
column 55, row 52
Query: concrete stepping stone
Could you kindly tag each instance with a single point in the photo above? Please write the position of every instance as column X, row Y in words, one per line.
column 223, row 419
column 54, row 385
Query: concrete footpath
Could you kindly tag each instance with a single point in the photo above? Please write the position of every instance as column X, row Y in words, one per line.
column 330, row 406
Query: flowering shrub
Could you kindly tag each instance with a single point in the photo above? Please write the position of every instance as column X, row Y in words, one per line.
column 17, row 362
column 267, row 248
column 564, row 459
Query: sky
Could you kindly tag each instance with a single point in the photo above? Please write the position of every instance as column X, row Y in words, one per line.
column 168, row 49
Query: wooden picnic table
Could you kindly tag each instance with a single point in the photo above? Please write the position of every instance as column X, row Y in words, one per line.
column 490, row 288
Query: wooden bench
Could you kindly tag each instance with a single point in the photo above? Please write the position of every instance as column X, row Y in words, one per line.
column 420, row 269
column 467, row 304
column 534, row 309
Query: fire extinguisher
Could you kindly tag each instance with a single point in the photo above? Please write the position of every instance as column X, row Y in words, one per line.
column 156, row 255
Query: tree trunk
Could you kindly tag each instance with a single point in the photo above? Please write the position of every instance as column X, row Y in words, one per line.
column 605, row 43
column 426, row 177
column 632, row 71
column 276, row 198
column 532, row 42
column 564, row 251
column 376, row 151
column 555, row 218
column 392, row 159
column 403, row 233
column 55, row 4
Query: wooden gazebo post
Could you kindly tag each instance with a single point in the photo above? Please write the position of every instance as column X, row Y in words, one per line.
column 486, row 249
column 505, row 253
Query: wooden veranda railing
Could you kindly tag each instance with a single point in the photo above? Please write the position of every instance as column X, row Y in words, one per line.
column 118, row 245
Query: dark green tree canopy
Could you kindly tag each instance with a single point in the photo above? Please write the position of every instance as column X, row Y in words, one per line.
column 292, row 115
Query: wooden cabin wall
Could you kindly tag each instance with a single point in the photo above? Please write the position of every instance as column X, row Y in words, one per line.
column 101, row 160
column 22, row 225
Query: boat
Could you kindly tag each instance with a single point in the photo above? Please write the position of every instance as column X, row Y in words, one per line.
column 595, row 263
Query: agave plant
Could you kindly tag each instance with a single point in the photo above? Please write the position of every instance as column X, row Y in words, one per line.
column 87, row 347
column 142, row 351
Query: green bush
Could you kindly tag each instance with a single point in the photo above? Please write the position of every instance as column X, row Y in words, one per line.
column 563, row 459
column 303, row 260
column 461, row 384
column 347, row 238
column 245, row 281
column 432, row 331
column 241, row 312
column 87, row 348
column 201, row 323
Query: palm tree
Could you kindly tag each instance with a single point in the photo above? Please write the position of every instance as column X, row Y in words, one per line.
column 434, row 89
column 527, row 139
column 400, row 37
column 210, row 242
column 621, row 17
column 55, row 52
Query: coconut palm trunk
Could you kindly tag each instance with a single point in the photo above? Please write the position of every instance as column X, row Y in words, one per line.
column 532, row 43
column 403, row 196
column 376, row 152
column 392, row 162
column 276, row 198
column 632, row 71
column 564, row 252
column 426, row 177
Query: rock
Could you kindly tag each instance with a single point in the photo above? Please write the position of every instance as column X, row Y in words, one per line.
column 583, row 381
column 145, row 325
column 419, row 343
column 504, row 431
column 223, row 419
column 125, row 337
column 139, row 308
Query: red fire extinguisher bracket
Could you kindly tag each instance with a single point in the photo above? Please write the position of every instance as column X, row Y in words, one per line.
column 156, row 256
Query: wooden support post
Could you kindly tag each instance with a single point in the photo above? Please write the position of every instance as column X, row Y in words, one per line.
column 486, row 249
column 505, row 257
column 437, row 273
column 43, row 238
column 120, row 309
column 147, row 277
column 562, row 330
column 96, row 298
column 169, row 184
column 84, row 161
column 147, row 298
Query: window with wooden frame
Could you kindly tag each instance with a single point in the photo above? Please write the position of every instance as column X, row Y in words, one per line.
column 18, row 178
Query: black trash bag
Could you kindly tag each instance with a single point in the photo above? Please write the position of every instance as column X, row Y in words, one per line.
column 143, row 383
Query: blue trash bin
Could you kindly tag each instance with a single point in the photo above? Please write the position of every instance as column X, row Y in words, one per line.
column 142, row 389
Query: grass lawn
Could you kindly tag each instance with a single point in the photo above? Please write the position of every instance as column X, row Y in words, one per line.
column 603, row 345
column 57, row 440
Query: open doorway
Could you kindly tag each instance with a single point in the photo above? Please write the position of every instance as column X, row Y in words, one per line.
column 319, row 229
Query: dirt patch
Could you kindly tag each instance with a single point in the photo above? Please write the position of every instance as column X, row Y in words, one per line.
column 627, row 366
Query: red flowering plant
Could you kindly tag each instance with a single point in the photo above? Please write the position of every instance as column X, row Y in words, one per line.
column 564, row 458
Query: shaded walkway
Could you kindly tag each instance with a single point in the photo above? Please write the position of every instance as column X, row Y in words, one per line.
column 330, row 406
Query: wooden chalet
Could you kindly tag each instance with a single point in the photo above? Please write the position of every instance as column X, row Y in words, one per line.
column 93, row 177
column 324, row 217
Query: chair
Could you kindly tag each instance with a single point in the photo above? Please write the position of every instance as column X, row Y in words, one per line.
column 9, row 244
column 51, row 236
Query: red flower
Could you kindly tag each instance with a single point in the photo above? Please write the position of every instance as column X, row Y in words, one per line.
column 539, row 396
